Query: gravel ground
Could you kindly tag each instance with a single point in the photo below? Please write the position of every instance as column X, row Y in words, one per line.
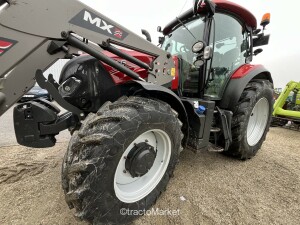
column 208, row 188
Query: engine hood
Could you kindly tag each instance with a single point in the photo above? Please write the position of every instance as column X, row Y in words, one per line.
column 118, row 76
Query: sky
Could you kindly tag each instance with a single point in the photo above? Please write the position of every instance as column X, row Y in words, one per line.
column 281, row 57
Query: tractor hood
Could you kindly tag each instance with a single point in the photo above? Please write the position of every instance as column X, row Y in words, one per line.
column 120, row 77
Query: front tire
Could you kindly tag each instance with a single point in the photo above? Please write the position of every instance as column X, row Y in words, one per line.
column 251, row 119
column 121, row 158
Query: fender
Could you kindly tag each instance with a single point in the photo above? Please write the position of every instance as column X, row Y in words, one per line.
column 101, row 82
column 92, row 87
column 238, row 81
column 164, row 94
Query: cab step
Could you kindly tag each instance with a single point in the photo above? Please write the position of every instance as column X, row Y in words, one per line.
column 214, row 148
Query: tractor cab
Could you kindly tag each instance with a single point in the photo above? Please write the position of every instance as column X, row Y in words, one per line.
column 211, row 41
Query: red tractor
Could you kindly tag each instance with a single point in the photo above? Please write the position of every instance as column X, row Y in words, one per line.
column 131, row 112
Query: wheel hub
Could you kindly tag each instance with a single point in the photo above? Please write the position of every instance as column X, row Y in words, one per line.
column 130, row 189
column 140, row 159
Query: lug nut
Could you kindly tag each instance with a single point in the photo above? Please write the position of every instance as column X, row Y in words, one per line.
column 67, row 88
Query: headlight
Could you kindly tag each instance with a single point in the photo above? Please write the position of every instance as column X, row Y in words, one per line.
column 198, row 63
column 198, row 46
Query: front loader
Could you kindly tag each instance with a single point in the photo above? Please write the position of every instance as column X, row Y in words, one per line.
column 132, row 107
column 287, row 106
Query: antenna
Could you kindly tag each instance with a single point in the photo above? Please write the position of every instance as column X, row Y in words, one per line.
column 183, row 7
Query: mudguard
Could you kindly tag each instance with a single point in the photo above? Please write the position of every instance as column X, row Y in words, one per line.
column 239, row 79
column 166, row 95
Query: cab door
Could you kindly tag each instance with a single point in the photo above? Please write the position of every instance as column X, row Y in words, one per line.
column 231, row 43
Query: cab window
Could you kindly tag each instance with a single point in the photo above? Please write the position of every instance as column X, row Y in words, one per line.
column 230, row 41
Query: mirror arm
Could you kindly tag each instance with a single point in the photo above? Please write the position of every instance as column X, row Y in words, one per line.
column 211, row 6
column 258, row 51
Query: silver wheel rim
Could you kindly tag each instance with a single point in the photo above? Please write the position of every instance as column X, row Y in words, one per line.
column 257, row 121
column 129, row 189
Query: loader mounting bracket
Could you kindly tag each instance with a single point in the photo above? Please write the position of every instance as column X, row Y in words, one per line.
column 45, row 84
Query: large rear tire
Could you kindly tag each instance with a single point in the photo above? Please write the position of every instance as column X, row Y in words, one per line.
column 251, row 119
column 121, row 158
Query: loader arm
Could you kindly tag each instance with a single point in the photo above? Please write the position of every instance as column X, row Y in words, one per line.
column 278, row 106
column 31, row 25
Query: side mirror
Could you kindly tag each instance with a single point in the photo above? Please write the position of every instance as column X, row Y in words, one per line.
column 257, row 51
column 265, row 20
column 261, row 40
column 159, row 29
column 256, row 32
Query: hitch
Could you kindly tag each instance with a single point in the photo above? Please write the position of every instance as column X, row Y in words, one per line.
column 37, row 122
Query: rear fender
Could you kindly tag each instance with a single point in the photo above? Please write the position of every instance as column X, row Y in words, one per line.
column 240, row 78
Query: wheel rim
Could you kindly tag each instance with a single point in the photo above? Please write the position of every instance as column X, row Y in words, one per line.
column 129, row 189
column 258, row 121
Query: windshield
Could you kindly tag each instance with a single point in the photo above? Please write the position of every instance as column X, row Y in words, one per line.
column 180, row 43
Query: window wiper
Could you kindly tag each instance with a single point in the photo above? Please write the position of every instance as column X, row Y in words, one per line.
column 185, row 27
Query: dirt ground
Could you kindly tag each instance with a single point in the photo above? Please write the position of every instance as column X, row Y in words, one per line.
column 208, row 188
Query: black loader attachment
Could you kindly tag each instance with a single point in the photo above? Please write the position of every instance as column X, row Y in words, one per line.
column 37, row 122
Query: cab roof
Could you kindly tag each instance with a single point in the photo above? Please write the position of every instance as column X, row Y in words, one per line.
column 221, row 5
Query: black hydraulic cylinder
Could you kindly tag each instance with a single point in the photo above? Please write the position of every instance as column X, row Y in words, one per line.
column 98, row 55
column 112, row 49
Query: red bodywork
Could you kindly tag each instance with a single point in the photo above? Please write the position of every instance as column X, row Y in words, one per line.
column 117, row 76
column 244, row 70
column 120, row 78
column 175, row 82
column 240, row 11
